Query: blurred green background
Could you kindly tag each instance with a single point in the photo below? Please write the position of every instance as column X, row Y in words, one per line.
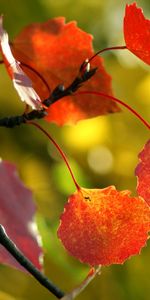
column 102, row 151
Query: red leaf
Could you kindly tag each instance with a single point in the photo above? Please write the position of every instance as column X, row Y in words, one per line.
column 104, row 226
column 57, row 50
column 16, row 215
column 143, row 173
column 137, row 32
column 21, row 81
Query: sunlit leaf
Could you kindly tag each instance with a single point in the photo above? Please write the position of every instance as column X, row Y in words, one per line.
column 137, row 32
column 104, row 226
column 56, row 50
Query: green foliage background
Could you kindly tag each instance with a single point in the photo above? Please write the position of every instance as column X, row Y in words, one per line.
column 116, row 139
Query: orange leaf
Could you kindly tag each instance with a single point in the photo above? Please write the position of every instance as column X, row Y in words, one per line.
column 143, row 173
column 56, row 50
column 104, row 226
column 137, row 32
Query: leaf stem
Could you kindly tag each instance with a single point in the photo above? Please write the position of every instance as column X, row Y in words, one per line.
column 9, row 245
column 59, row 150
column 134, row 112
column 91, row 275
column 107, row 49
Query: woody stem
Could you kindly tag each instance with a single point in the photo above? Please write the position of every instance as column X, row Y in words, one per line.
column 9, row 245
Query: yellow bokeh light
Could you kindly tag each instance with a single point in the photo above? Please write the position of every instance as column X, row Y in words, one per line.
column 87, row 133
column 100, row 159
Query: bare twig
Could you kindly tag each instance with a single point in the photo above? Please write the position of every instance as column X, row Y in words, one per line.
column 9, row 245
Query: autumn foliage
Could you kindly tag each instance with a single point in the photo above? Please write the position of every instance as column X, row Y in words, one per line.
column 56, row 50
column 137, row 32
column 98, row 226
column 104, row 226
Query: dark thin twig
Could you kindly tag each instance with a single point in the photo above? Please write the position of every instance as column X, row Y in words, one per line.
column 26, row 263
column 13, row 121
column 58, row 93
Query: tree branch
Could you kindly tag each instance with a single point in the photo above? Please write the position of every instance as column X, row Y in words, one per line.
column 58, row 93
column 9, row 245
